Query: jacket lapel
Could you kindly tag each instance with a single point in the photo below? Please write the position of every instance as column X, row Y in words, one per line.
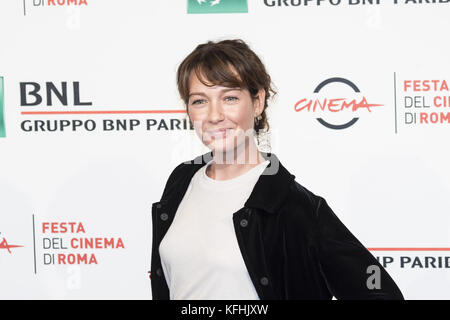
column 269, row 192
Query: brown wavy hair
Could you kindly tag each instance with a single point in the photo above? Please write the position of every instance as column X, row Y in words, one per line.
column 216, row 61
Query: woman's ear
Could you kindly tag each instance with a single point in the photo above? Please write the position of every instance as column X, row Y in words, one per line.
column 259, row 101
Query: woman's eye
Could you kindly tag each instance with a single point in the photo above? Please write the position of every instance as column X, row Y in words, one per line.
column 231, row 98
column 197, row 101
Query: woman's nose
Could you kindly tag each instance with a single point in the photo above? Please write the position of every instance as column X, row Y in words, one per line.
column 215, row 112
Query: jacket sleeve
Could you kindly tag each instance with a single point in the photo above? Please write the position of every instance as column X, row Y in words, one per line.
column 349, row 269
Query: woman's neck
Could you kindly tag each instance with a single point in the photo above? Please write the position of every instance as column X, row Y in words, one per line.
column 227, row 166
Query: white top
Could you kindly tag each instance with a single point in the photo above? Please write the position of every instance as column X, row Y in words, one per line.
column 200, row 254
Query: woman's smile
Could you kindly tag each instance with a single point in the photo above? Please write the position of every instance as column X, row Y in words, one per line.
column 220, row 133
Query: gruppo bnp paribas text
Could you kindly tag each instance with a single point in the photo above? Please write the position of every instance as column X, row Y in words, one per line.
column 322, row 3
column 59, row 107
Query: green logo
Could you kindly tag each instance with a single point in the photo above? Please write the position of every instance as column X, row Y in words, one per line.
column 2, row 119
column 217, row 6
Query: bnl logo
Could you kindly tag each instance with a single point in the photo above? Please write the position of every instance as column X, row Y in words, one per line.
column 217, row 6
column 2, row 118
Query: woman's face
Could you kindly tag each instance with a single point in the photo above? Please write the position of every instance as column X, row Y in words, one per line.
column 223, row 116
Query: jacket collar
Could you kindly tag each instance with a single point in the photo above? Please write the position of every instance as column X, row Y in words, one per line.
column 268, row 194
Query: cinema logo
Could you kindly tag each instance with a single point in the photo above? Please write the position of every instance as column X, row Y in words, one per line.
column 63, row 241
column 335, row 109
column 4, row 245
column 217, row 6
column 2, row 107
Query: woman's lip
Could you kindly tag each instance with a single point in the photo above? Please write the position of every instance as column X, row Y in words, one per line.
column 219, row 132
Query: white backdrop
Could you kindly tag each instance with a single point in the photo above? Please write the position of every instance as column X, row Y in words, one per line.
column 386, row 179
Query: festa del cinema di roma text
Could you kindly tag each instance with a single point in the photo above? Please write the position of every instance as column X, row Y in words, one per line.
column 73, row 243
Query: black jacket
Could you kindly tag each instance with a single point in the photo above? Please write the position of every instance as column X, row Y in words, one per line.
column 292, row 243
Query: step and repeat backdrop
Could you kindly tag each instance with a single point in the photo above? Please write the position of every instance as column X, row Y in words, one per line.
column 91, row 125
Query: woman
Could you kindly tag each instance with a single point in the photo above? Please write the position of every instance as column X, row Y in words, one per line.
column 241, row 227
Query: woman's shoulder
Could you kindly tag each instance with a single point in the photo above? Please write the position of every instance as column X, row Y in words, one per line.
column 313, row 207
column 303, row 194
column 303, row 201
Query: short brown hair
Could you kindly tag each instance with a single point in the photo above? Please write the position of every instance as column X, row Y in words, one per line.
column 215, row 60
